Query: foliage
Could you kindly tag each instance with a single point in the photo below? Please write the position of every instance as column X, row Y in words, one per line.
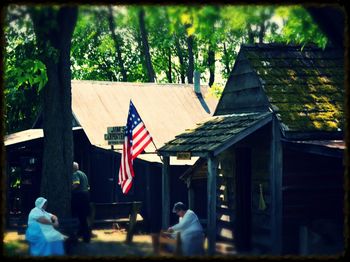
column 25, row 74
column 16, row 248
column 216, row 90
column 298, row 27
column 222, row 28
column 92, row 52
column 215, row 28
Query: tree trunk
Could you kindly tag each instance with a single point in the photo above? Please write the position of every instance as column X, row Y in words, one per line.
column 168, row 73
column 211, row 65
column 262, row 32
column 190, row 68
column 117, row 42
column 145, row 46
column 226, row 61
column 250, row 35
column 181, row 59
column 54, row 30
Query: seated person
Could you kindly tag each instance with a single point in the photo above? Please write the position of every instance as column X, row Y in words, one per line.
column 191, row 231
column 43, row 238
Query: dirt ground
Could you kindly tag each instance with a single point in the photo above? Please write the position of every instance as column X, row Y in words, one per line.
column 107, row 242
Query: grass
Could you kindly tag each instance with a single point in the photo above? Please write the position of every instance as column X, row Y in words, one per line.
column 107, row 243
column 16, row 248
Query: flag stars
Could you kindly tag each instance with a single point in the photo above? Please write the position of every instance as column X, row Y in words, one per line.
column 131, row 151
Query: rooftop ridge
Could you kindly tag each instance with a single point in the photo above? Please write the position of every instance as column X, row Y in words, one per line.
column 135, row 83
column 279, row 45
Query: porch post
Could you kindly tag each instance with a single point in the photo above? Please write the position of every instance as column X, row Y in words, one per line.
column 190, row 198
column 276, row 187
column 211, row 225
column 165, row 193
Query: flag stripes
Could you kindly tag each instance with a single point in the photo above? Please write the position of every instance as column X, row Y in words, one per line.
column 137, row 138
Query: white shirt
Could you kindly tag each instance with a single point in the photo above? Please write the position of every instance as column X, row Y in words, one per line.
column 36, row 213
column 188, row 224
column 49, row 233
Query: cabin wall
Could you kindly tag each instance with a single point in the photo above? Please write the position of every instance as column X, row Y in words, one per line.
column 24, row 162
column 226, row 196
column 312, row 203
column 230, row 202
column 101, row 166
column 102, row 175
column 243, row 92
column 200, row 197
column 198, row 186
column 146, row 185
column 82, row 151
column 261, row 227
column 104, row 168
column 147, row 189
column 178, row 190
column 23, row 176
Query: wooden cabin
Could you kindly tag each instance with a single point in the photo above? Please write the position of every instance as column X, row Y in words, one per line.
column 270, row 175
column 166, row 109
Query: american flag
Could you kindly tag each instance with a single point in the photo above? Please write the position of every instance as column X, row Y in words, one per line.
column 136, row 140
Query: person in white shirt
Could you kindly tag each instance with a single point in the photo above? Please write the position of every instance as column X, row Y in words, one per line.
column 43, row 238
column 191, row 231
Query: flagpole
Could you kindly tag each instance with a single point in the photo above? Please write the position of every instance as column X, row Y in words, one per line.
column 157, row 150
column 147, row 131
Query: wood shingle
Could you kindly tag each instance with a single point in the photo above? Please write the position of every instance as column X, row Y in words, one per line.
column 212, row 134
column 303, row 86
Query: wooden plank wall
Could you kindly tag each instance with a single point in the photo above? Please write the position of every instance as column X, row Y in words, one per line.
column 226, row 201
column 312, row 197
column 259, row 142
column 243, row 91
column 227, row 214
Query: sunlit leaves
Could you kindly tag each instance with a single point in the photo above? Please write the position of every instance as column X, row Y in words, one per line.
column 185, row 19
column 299, row 27
column 25, row 75
column 223, row 28
column 214, row 25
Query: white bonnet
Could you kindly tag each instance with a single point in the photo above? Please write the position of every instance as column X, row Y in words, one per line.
column 40, row 201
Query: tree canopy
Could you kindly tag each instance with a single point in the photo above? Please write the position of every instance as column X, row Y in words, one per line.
column 164, row 44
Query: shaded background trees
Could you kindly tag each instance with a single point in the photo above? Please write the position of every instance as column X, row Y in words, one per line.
column 108, row 45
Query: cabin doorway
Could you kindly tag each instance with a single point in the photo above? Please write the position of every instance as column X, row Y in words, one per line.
column 244, row 199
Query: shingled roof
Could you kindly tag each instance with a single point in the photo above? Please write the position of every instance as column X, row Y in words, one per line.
column 304, row 86
column 216, row 134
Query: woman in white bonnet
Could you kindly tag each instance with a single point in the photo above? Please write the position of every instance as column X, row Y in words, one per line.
column 43, row 238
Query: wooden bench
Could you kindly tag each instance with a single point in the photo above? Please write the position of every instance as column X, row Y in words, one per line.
column 114, row 213
column 163, row 245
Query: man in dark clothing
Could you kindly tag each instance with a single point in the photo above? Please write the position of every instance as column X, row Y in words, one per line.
column 81, row 201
